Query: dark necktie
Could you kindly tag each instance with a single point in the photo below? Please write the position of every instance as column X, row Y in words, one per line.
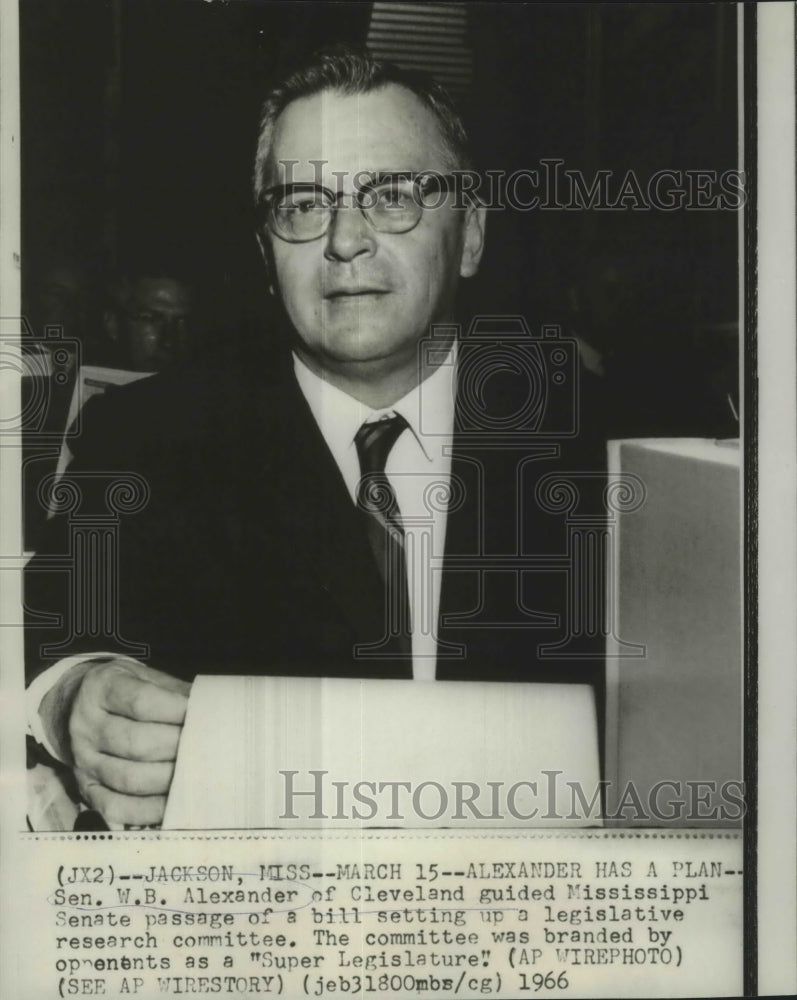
column 377, row 501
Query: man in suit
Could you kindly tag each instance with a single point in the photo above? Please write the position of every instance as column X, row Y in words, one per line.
column 365, row 503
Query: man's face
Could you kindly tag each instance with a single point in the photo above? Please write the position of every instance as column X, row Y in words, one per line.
column 357, row 296
column 154, row 324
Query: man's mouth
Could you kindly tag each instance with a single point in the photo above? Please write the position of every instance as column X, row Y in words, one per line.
column 353, row 293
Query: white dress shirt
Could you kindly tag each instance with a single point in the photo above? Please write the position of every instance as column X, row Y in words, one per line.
column 419, row 469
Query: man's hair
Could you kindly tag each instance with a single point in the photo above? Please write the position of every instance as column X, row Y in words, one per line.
column 351, row 70
column 120, row 286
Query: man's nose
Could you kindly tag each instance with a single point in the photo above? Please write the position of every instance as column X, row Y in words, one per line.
column 349, row 234
column 166, row 338
column 170, row 331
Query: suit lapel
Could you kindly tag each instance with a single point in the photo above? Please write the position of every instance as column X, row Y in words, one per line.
column 322, row 527
column 487, row 522
column 464, row 538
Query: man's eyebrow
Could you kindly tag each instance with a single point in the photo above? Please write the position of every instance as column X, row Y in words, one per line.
column 379, row 176
column 384, row 176
column 281, row 189
column 361, row 176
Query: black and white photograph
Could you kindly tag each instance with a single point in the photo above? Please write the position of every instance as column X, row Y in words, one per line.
column 386, row 443
column 559, row 273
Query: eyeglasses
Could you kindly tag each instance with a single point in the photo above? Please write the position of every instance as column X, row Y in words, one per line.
column 391, row 203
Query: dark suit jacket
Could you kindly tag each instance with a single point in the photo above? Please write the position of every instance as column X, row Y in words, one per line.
column 248, row 556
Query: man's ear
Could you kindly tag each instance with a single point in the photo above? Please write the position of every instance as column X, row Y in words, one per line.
column 473, row 244
column 265, row 253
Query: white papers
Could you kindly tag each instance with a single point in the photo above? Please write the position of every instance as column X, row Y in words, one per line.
column 242, row 734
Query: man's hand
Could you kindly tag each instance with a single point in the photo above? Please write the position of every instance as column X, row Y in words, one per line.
column 124, row 725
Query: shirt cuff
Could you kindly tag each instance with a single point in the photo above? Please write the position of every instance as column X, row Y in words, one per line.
column 46, row 681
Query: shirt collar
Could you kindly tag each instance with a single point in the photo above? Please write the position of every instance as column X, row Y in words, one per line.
column 428, row 408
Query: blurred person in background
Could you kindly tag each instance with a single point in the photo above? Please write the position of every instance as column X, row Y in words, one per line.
column 148, row 321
